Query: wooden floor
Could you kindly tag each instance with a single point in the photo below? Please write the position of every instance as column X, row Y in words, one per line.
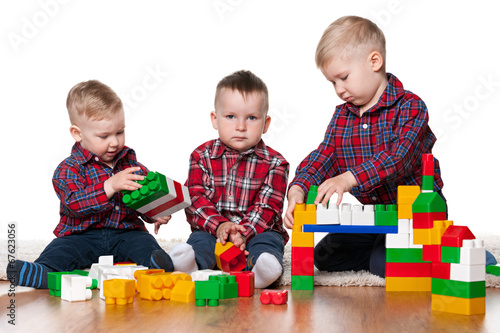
column 327, row 309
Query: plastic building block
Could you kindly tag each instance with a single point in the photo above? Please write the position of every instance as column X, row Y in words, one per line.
column 155, row 287
column 427, row 165
column 464, row 306
column 430, row 202
column 312, row 194
column 473, row 252
column 393, row 283
column 363, row 215
column 405, row 269
column 386, row 215
column 246, row 283
column 119, row 291
column 302, row 239
column 406, row 197
column 405, row 226
column 458, row 288
column 138, row 274
column 431, row 252
column 302, row 261
column 303, row 215
column 493, row 269
column 454, row 236
column 327, row 215
column 277, row 297
column 441, row 270
column 351, row 229
column 427, row 184
column 346, row 214
column 438, row 229
column 158, row 196
column 403, row 255
column 54, row 281
column 467, row 273
column 397, row 241
column 74, row 288
column 183, row 291
column 426, row 220
column 228, row 286
column 450, row 254
column 229, row 257
column 302, row 282
column 207, row 292
column 422, row 236
column 203, row 275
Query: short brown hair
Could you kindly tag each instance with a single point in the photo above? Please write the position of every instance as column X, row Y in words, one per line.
column 347, row 37
column 92, row 99
column 245, row 82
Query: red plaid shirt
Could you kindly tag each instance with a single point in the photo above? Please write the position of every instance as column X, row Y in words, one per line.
column 247, row 189
column 383, row 148
column 79, row 184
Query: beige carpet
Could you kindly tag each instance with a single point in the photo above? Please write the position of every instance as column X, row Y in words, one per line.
column 30, row 250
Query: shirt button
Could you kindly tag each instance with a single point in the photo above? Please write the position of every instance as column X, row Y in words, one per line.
column 365, row 126
column 96, row 158
column 117, row 207
column 231, row 198
column 374, row 198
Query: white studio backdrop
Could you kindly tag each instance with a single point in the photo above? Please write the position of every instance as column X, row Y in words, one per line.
column 164, row 58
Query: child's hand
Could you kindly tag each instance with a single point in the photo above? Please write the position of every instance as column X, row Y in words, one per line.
column 295, row 196
column 161, row 220
column 123, row 180
column 232, row 232
column 338, row 184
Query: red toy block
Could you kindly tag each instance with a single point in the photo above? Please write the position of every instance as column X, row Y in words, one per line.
column 246, row 283
column 304, row 268
column 454, row 236
column 278, row 297
column 427, row 165
column 441, row 270
column 404, row 269
column 431, row 252
column 302, row 254
column 426, row 220
column 233, row 259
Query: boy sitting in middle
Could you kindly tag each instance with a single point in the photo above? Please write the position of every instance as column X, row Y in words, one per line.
column 237, row 185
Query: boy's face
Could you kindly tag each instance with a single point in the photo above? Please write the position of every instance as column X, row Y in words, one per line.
column 357, row 81
column 240, row 122
column 104, row 138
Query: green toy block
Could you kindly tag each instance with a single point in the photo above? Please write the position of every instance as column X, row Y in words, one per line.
column 450, row 254
column 312, row 194
column 430, row 202
column 386, row 215
column 207, row 291
column 302, row 282
column 493, row 269
column 410, row 255
column 228, row 285
column 54, row 281
column 427, row 183
column 154, row 186
column 458, row 288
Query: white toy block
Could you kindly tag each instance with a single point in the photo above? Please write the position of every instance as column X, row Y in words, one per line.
column 328, row 215
column 404, row 226
column 345, row 217
column 103, row 261
column 467, row 273
column 106, row 260
column 202, row 275
column 473, row 252
column 397, row 241
column 363, row 215
column 74, row 288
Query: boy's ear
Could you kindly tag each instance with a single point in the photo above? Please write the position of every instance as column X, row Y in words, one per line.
column 376, row 61
column 213, row 118
column 76, row 133
column 266, row 124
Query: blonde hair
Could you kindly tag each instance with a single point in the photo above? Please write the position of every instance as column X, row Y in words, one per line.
column 92, row 99
column 349, row 37
column 245, row 82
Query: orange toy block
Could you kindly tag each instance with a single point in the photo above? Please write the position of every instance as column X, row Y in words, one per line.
column 155, row 287
column 183, row 291
column 119, row 291
column 408, row 283
column 303, row 214
column 438, row 230
column 406, row 197
column 302, row 239
column 464, row 306
column 229, row 257
column 139, row 273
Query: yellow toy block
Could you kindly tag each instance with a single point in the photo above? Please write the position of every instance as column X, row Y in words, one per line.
column 406, row 196
column 119, row 291
column 183, row 291
column 303, row 214
column 422, row 236
column 155, row 287
column 139, row 273
column 439, row 227
column 408, row 283
column 302, row 239
column 405, row 212
column 465, row 306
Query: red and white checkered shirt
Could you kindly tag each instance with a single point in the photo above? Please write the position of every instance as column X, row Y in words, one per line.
column 248, row 188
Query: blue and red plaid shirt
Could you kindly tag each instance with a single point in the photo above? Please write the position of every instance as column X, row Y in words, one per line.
column 248, row 188
column 79, row 184
column 383, row 148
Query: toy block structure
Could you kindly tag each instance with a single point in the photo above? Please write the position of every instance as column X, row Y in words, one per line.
column 246, row 283
column 204, row 274
column 119, row 291
column 362, row 215
column 183, row 291
column 75, row 288
column 157, row 286
column 207, row 293
column 54, row 281
column 493, row 269
column 386, row 215
column 229, row 257
column 303, row 255
column 277, row 297
column 228, row 286
column 139, row 273
column 327, row 215
column 159, row 196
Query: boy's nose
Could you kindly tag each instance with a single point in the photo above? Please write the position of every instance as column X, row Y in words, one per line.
column 241, row 126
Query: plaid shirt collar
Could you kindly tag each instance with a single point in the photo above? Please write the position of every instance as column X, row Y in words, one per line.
column 391, row 95
column 82, row 155
column 219, row 148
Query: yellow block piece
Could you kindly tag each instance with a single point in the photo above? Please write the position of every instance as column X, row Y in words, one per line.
column 156, row 286
column 406, row 196
column 183, row 292
column 139, row 273
column 303, row 214
column 408, row 283
column 118, row 291
column 219, row 249
column 439, row 227
column 302, row 239
column 422, row 236
column 405, row 212
column 465, row 306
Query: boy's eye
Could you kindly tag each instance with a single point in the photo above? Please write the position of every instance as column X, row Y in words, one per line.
column 252, row 117
column 230, row 116
column 344, row 78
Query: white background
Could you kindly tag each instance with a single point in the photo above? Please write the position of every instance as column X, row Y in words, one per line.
column 164, row 58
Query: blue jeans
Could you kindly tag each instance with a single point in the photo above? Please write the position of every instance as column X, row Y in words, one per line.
column 79, row 251
column 203, row 245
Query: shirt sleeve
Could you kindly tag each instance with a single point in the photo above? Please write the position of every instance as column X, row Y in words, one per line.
column 268, row 207
column 77, row 199
column 202, row 214
column 407, row 146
